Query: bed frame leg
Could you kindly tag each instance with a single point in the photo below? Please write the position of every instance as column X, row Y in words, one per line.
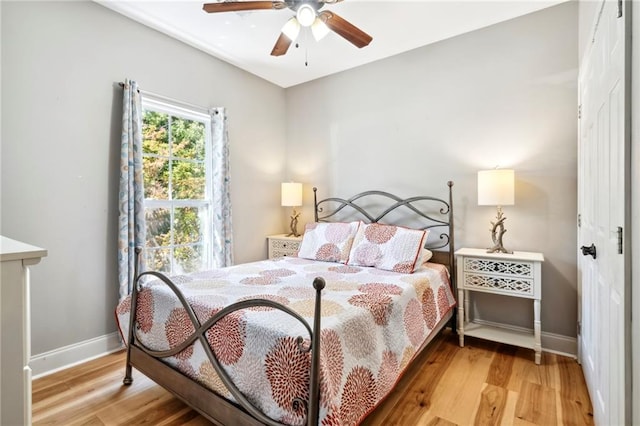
column 314, row 382
column 128, row 377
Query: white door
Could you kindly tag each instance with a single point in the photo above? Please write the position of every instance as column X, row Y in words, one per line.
column 603, row 342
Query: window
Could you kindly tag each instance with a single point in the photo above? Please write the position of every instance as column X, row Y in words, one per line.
column 177, row 188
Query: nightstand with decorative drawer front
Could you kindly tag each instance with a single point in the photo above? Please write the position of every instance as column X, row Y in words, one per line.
column 517, row 275
column 282, row 245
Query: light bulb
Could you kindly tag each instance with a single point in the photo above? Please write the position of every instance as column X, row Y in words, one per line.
column 306, row 15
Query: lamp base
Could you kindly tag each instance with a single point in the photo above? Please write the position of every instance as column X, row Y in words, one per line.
column 497, row 231
column 499, row 249
column 293, row 226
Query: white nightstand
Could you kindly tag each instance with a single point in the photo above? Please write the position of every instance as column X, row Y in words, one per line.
column 281, row 245
column 517, row 275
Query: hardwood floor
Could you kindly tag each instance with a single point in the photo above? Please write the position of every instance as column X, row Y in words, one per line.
column 483, row 383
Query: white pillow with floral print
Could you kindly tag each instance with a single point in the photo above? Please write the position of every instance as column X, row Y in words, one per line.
column 329, row 242
column 392, row 248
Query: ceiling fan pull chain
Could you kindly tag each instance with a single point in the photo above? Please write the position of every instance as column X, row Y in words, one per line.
column 306, row 48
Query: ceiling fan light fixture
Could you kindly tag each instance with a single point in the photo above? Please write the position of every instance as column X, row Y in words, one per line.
column 291, row 29
column 306, row 15
column 319, row 29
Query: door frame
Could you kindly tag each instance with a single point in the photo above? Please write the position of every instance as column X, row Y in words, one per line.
column 627, row 235
column 635, row 207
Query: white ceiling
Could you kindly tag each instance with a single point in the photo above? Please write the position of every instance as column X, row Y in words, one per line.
column 245, row 39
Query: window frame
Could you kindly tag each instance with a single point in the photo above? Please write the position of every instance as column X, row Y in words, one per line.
column 174, row 110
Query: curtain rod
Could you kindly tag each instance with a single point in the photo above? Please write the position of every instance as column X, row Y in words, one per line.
column 166, row 98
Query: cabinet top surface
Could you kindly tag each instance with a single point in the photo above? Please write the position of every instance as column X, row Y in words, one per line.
column 13, row 250
column 516, row 255
column 285, row 237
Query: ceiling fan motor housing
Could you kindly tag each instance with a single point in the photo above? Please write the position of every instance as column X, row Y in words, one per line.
column 296, row 4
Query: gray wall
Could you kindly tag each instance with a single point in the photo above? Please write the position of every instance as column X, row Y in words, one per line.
column 60, row 135
column 505, row 95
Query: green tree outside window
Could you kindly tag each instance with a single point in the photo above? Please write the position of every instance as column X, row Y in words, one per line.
column 176, row 197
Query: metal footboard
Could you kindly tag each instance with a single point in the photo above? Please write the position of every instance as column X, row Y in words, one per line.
column 310, row 406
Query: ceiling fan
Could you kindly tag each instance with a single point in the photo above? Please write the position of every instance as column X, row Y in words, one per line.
column 307, row 15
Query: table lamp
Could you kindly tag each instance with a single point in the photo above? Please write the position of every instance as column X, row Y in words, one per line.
column 292, row 197
column 496, row 188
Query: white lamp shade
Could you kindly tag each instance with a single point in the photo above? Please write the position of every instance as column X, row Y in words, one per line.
column 319, row 29
column 291, row 28
column 291, row 194
column 496, row 187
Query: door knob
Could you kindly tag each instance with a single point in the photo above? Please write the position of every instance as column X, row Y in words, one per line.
column 590, row 250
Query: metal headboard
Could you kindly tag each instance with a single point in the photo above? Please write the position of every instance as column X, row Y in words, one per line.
column 433, row 214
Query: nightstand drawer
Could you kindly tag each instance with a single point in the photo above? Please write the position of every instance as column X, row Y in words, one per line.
column 509, row 285
column 502, row 267
column 281, row 246
column 284, row 248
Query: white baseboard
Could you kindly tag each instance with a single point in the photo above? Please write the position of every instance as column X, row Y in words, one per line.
column 551, row 342
column 68, row 356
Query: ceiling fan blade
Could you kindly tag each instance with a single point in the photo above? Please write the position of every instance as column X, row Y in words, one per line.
column 345, row 29
column 236, row 6
column 281, row 46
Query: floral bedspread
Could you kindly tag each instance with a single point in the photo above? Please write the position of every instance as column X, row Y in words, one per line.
column 373, row 322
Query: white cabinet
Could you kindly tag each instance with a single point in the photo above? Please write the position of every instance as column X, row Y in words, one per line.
column 517, row 275
column 15, row 330
column 282, row 245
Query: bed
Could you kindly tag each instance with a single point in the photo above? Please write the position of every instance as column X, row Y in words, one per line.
column 321, row 338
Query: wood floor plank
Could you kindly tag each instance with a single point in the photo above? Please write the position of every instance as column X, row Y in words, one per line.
column 88, row 390
column 92, row 374
column 92, row 421
column 521, row 422
column 467, row 371
column 509, row 411
column 46, row 393
column 142, row 410
column 107, row 361
column 437, row 421
column 574, row 398
column 79, row 405
column 537, row 404
column 521, row 369
column 416, row 391
column 196, row 421
column 482, row 383
column 500, row 370
column 185, row 416
column 546, row 374
column 493, row 400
